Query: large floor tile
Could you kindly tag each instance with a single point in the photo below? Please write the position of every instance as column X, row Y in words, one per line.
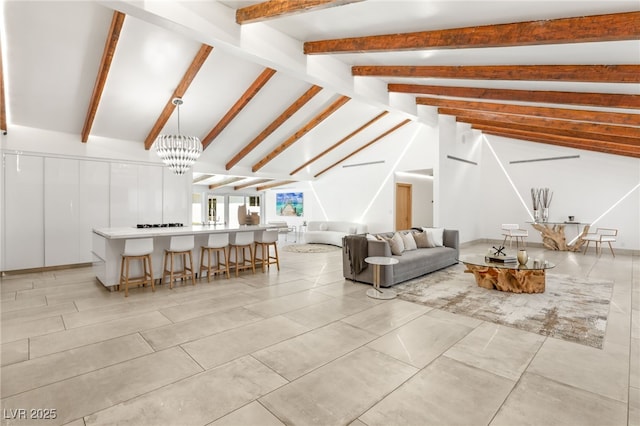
column 196, row 328
column 37, row 312
column 299, row 355
column 501, row 350
column 10, row 305
column 223, row 347
column 74, row 338
column 447, row 392
column 96, row 316
column 200, row 307
column 42, row 371
column 420, row 341
column 83, row 395
column 250, row 414
column 279, row 290
column 197, row 400
column 21, row 330
column 13, row 352
column 340, row 391
column 539, row 401
column 341, row 288
column 566, row 362
column 634, row 406
column 332, row 310
column 387, row 316
column 291, row 302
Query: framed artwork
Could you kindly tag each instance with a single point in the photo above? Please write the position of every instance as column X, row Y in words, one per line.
column 290, row 204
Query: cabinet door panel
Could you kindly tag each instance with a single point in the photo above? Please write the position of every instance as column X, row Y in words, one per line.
column 94, row 203
column 61, row 211
column 123, row 210
column 24, row 204
column 149, row 194
column 176, row 197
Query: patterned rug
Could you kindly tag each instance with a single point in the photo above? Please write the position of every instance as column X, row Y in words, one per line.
column 310, row 248
column 571, row 308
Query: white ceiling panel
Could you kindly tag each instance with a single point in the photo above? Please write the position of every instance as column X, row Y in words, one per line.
column 52, row 51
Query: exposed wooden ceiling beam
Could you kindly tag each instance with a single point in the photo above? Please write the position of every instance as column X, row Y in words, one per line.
column 225, row 182
column 624, row 119
column 581, row 73
column 340, row 142
column 293, row 108
column 596, row 137
column 246, row 97
column 603, row 130
column 335, row 105
column 180, row 90
column 3, row 106
column 103, row 71
column 251, row 183
column 278, row 8
column 608, row 100
column 612, row 27
column 565, row 141
column 368, row 144
column 274, row 184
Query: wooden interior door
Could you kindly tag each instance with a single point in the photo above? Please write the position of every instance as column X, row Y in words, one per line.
column 403, row 206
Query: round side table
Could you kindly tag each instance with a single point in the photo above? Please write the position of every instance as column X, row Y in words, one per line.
column 376, row 292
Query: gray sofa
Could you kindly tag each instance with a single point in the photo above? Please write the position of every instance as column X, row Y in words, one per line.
column 411, row 264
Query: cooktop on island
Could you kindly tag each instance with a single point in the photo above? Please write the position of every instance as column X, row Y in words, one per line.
column 159, row 225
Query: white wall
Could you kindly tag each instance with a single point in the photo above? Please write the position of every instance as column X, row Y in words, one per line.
column 364, row 194
column 587, row 187
column 460, row 196
column 477, row 198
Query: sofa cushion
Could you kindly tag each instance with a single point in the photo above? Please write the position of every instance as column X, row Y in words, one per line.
column 408, row 241
column 324, row 226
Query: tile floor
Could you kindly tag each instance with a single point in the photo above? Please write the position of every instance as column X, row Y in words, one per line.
column 303, row 346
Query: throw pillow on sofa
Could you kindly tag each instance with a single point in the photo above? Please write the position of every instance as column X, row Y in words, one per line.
column 324, row 227
column 395, row 243
column 421, row 240
column 408, row 241
column 435, row 236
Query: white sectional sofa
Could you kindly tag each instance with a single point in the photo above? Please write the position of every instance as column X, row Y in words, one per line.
column 331, row 232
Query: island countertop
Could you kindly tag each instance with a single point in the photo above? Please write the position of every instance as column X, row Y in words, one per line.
column 108, row 245
column 132, row 232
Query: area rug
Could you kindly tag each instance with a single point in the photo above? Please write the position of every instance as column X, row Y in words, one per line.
column 310, row 248
column 571, row 308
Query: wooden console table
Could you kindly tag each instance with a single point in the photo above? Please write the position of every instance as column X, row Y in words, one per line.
column 553, row 236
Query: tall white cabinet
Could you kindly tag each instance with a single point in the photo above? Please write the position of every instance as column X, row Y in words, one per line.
column 61, row 211
column 94, row 203
column 52, row 204
column 24, row 205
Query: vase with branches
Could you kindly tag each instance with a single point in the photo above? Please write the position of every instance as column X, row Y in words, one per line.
column 546, row 196
column 535, row 199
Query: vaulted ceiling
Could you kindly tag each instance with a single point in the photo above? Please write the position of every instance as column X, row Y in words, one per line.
column 287, row 90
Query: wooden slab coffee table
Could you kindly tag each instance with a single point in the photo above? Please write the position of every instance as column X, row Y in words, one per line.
column 512, row 277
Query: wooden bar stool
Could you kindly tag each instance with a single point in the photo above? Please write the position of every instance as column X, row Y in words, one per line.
column 263, row 241
column 136, row 249
column 179, row 246
column 217, row 244
column 239, row 244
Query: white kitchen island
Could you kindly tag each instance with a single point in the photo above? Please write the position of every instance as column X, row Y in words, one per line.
column 108, row 246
